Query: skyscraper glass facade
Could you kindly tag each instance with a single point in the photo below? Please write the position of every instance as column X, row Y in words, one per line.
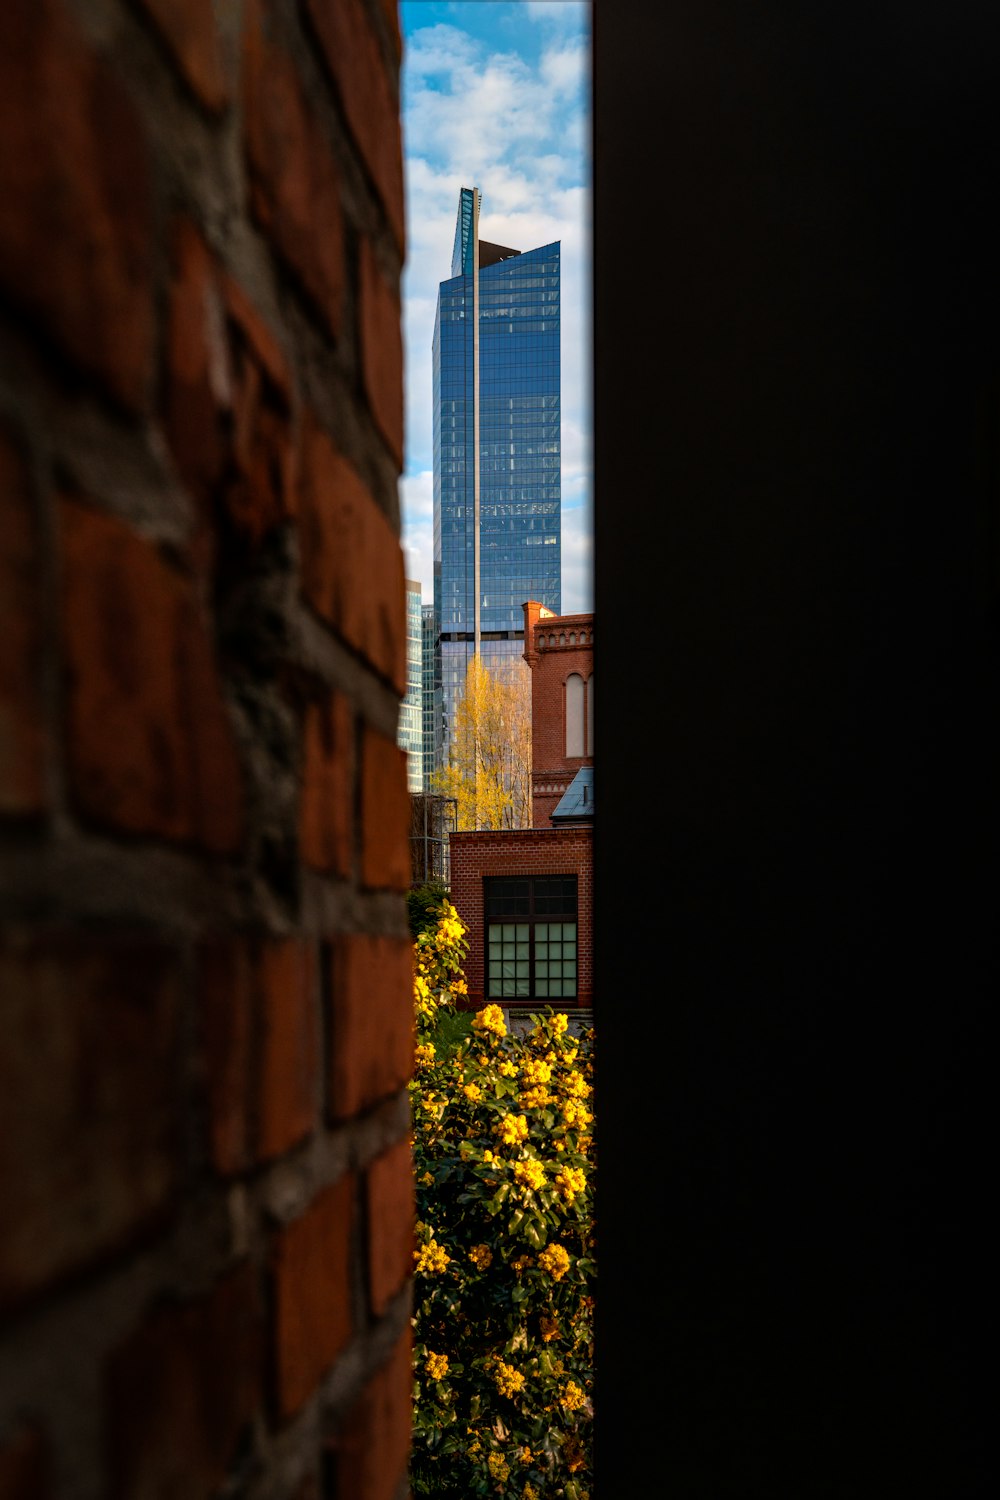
column 411, row 712
column 497, row 456
column 431, row 706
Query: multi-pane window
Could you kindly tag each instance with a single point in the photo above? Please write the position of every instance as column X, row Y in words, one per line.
column 531, row 938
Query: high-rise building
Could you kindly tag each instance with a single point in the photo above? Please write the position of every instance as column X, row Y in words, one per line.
column 431, row 700
column 411, row 712
column 497, row 495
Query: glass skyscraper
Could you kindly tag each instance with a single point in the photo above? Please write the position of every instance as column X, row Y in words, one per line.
column 497, row 460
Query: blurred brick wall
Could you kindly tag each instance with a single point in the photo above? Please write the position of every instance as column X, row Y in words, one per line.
column 205, row 1190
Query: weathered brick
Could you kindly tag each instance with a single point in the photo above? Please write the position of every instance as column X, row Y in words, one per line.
column 390, row 9
column 289, row 1071
column 189, row 29
column 372, row 1042
column 76, row 231
column 326, row 815
column 385, row 814
column 312, row 1295
column 294, row 178
column 23, row 1468
column 227, row 1012
column 182, row 1390
column 22, row 737
column 199, row 380
column 352, row 563
column 391, row 1206
column 87, row 1159
column 353, row 55
column 382, row 351
column 151, row 745
column 372, row 1449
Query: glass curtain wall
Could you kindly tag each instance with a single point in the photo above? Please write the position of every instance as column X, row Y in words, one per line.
column 519, row 450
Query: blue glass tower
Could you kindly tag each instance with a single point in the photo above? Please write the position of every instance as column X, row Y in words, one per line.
column 497, row 461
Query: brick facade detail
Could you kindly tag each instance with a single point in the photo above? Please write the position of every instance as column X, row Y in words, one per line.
column 523, row 851
column 205, row 963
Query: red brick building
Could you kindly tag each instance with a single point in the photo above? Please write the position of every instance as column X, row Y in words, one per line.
column 526, row 895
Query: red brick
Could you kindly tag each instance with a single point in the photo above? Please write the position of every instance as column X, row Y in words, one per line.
column 390, row 9
column 188, row 27
column 181, row 1391
column 312, row 1294
column 372, row 1032
column 372, row 1450
column 382, row 351
column 352, row 563
column 86, row 1101
column 228, row 1019
column 391, row 1217
column 353, row 55
column 198, row 387
column 523, row 851
column 151, row 745
column 326, row 816
column 23, row 1468
column 289, row 1070
column 76, row 231
column 22, row 736
column 260, row 338
column 385, row 814
column 295, row 181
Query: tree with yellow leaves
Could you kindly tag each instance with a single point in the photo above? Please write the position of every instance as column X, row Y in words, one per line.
column 489, row 774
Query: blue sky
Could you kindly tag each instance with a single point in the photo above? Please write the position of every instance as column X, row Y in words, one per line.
column 496, row 95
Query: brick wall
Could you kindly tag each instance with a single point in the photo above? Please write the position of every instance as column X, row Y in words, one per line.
column 523, row 851
column 205, row 1185
column 555, row 647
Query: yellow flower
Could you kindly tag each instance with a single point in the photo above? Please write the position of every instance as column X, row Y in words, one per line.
column 572, row 1397
column 481, row 1256
column 488, row 1156
column 498, row 1467
column 490, row 1018
column 560, row 1022
column 426, row 1180
column 530, row 1493
column 535, row 1098
column 530, row 1172
column 508, row 1380
column 431, row 1258
column 569, row 1181
column 512, row 1128
column 537, row 1072
column 522, row 1263
column 507, row 1069
column 472, row 1091
column 555, row 1260
column 436, row 1365
column 549, row 1328
column 425, row 1053
column 526, row 1456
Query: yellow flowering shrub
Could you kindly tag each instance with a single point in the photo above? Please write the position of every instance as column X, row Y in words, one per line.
column 504, row 1267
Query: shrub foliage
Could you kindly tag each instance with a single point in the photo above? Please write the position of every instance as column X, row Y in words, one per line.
column 504, row 1264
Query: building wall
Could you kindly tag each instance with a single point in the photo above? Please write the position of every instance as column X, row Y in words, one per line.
column 519, row 444
column 558, row 645
column 205, row 966
column 528, row 851
column 411, row 712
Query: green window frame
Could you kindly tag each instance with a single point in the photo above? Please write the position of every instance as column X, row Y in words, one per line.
column 532, row 949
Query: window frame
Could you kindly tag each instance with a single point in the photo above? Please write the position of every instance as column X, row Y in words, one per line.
column 532, row 918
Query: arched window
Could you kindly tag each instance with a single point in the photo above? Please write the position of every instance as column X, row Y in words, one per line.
column 590, row 714
column 574, row 715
